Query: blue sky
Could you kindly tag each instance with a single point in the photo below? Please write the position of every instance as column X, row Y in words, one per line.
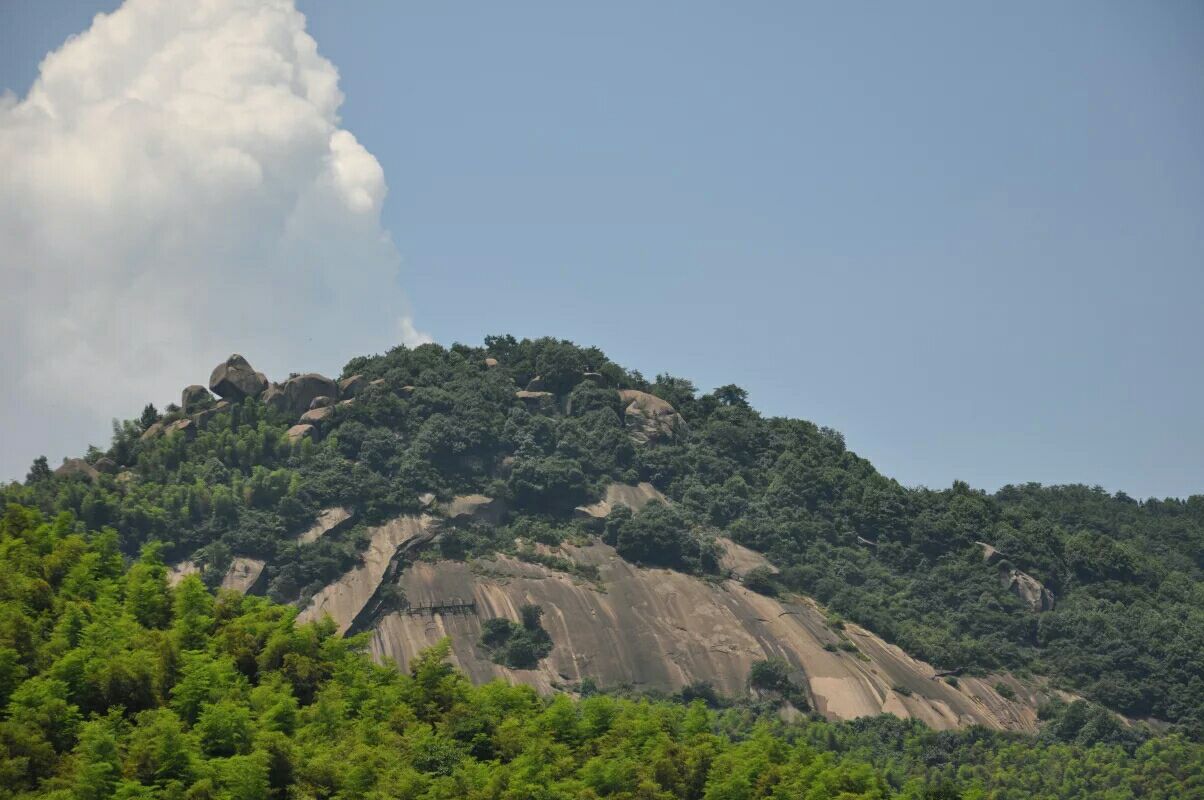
column 969, row 236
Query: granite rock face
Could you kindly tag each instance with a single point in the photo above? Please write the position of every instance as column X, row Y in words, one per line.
column 235, row 379
column 650, row 419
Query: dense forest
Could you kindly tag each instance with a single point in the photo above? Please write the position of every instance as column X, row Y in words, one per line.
column 539, row 423
column 116, row 685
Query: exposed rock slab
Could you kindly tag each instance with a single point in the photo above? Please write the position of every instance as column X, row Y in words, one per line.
column 658, row 629
column 739, row 560
column 620, row 494
column 475, row 508
column 328, row 521
column 181, row 571
column 347, row 597
column 243, row 575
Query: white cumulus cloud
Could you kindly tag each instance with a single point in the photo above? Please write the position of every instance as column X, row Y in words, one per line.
column 174, row 187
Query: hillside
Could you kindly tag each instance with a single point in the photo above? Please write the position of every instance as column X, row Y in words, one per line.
column 519, row 473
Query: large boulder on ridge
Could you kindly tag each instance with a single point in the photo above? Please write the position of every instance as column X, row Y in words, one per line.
column 195, row 398
column 235, row 379
column 649, row 419
column 300, row 391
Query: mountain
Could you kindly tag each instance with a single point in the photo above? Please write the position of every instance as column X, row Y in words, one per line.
column 555, row 520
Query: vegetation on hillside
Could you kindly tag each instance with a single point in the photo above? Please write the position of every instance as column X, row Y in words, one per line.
column 114, row 685
column 1127, row 629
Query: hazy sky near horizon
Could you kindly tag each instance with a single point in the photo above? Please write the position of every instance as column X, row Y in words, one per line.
column 969, row 236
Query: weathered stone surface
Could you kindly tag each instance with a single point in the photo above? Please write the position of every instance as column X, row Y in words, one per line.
column 739, row 560
column 273, row 397
column 194, row 398
column 350, row 387
column 299, row 432
column 347, row 597
column 300, row 391
column 1028, row 589
column 989, row 554
column 321, row 402
column 181, row 571
column 491, row 363
column 154, row 431
column 235, row 379
column 329, row 520
column 244, row 575
column 660, row 629
column 475, row 508
column 205, row 416
column 106, row 466
column 77, row 468
column 620, row 494
column 535, row 400
column 650, row 419
column 317, row 416
column 184, row 427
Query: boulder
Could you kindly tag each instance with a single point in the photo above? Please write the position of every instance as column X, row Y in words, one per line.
column 536, row 384
column 406, row 391
column 77, row 468
column 106, row 466
column 321, row 402
column 377, row 382
column 650, row 419
column 535, row 400
column 273, row 398
column 1028, row 589
column 350, row 387
column 194, row 398
column 183, row 426
column 235, row 379
column 300, row 391
column 316, row 416
column 989, row 554
column 152, row 432
column 490, row 363
column 299, row 432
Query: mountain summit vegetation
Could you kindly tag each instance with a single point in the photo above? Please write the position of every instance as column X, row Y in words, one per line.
column 121, row 677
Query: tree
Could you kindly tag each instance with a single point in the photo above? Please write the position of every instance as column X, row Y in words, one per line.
column 39, row 471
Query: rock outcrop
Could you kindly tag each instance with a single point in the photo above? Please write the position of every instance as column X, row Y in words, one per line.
column 194, row 398
column 300, row 391
column 1028, row 589
column 650, row 419
column 352, row 386
column 244, row 575
column 345, row 599
column 662, row 630
column 236, row 379
column 77, row 468
column 299, row 432
column 475, row 508
column 1021, row 584
column 329, row 520
column 106, row 466
column 620, row 494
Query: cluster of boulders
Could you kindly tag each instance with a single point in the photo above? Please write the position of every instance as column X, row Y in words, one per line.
column 649, row 419
column 1021, row 584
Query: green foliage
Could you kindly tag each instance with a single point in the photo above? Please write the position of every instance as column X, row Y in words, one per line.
column 518, row 646
column 1127, row 630
column 245, row 704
